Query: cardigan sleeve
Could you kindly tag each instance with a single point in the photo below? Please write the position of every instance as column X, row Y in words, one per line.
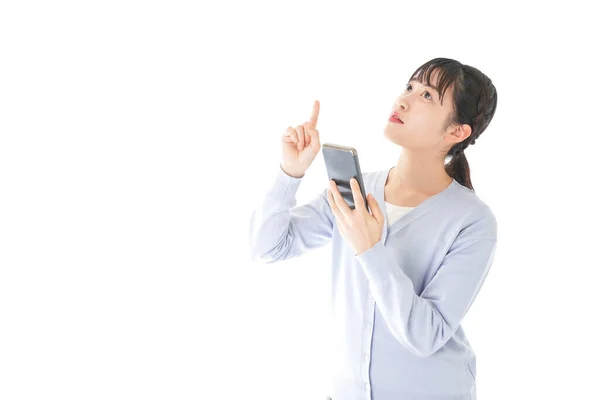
column 423, row 324
column 280, row 230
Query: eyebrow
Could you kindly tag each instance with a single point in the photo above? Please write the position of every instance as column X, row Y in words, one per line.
column 426, row 85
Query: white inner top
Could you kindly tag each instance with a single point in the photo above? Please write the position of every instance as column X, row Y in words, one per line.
column 394, row 212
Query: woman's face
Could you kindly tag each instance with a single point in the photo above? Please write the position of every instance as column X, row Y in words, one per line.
column 424, row 116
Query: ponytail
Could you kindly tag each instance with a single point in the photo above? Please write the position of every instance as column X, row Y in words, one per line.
column 458, row 169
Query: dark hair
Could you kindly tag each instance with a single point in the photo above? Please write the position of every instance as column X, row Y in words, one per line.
column 475, row 101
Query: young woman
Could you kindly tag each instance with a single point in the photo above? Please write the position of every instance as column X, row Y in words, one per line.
column 405, row 274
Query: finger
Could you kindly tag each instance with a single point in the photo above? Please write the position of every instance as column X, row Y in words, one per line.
column 293, row 135
column 339, row 200
column 285, row 138
column 340, row 219
column 306, row 135
column 377, row 213
column 300, row 131
column 315, row 113
column 359, row 202
column 334, row 208
column 314, row 135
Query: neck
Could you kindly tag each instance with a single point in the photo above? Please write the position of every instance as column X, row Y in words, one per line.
column 418, row 172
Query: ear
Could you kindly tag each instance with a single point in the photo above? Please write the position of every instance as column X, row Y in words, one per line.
column 458, row 133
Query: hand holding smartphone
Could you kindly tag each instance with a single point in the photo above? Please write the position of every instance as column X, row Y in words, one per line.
column 342, row 165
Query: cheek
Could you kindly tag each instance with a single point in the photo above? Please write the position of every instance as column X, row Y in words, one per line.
column 426, row 130
column 431, row 122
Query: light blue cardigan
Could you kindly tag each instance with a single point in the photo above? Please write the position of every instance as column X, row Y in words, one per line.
column 398, row 307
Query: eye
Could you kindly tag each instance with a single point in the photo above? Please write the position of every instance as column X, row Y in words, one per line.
column 426, row 92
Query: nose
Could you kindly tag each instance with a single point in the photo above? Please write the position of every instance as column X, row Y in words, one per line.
column 402, row 101
column 401, row 105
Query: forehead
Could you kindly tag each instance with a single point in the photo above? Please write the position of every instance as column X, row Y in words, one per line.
column 422, row 77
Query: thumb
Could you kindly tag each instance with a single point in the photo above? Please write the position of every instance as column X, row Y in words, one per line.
column 375, row 208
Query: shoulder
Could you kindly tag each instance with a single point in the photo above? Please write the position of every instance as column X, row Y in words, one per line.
column 479, row 219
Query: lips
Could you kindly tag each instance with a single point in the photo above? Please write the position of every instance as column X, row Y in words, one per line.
column 395, row 118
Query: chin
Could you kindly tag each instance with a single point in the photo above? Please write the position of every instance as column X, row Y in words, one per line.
column 394, row 137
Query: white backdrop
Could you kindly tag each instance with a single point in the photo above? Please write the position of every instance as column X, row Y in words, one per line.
column 136, row 138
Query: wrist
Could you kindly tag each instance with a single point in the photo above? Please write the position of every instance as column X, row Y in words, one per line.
column 290, row 171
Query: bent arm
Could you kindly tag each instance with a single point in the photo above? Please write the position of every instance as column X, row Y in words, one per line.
column 280, row 230
column 423, row 324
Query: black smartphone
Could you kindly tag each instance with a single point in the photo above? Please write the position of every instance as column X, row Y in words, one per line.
column 342, row 165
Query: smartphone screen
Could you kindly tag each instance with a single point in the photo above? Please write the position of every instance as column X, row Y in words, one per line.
column 342, row 165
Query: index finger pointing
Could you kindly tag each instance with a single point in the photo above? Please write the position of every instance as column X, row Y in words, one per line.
column 315, row 113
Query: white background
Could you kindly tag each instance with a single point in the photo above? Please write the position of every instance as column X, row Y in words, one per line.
column 136, row 138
